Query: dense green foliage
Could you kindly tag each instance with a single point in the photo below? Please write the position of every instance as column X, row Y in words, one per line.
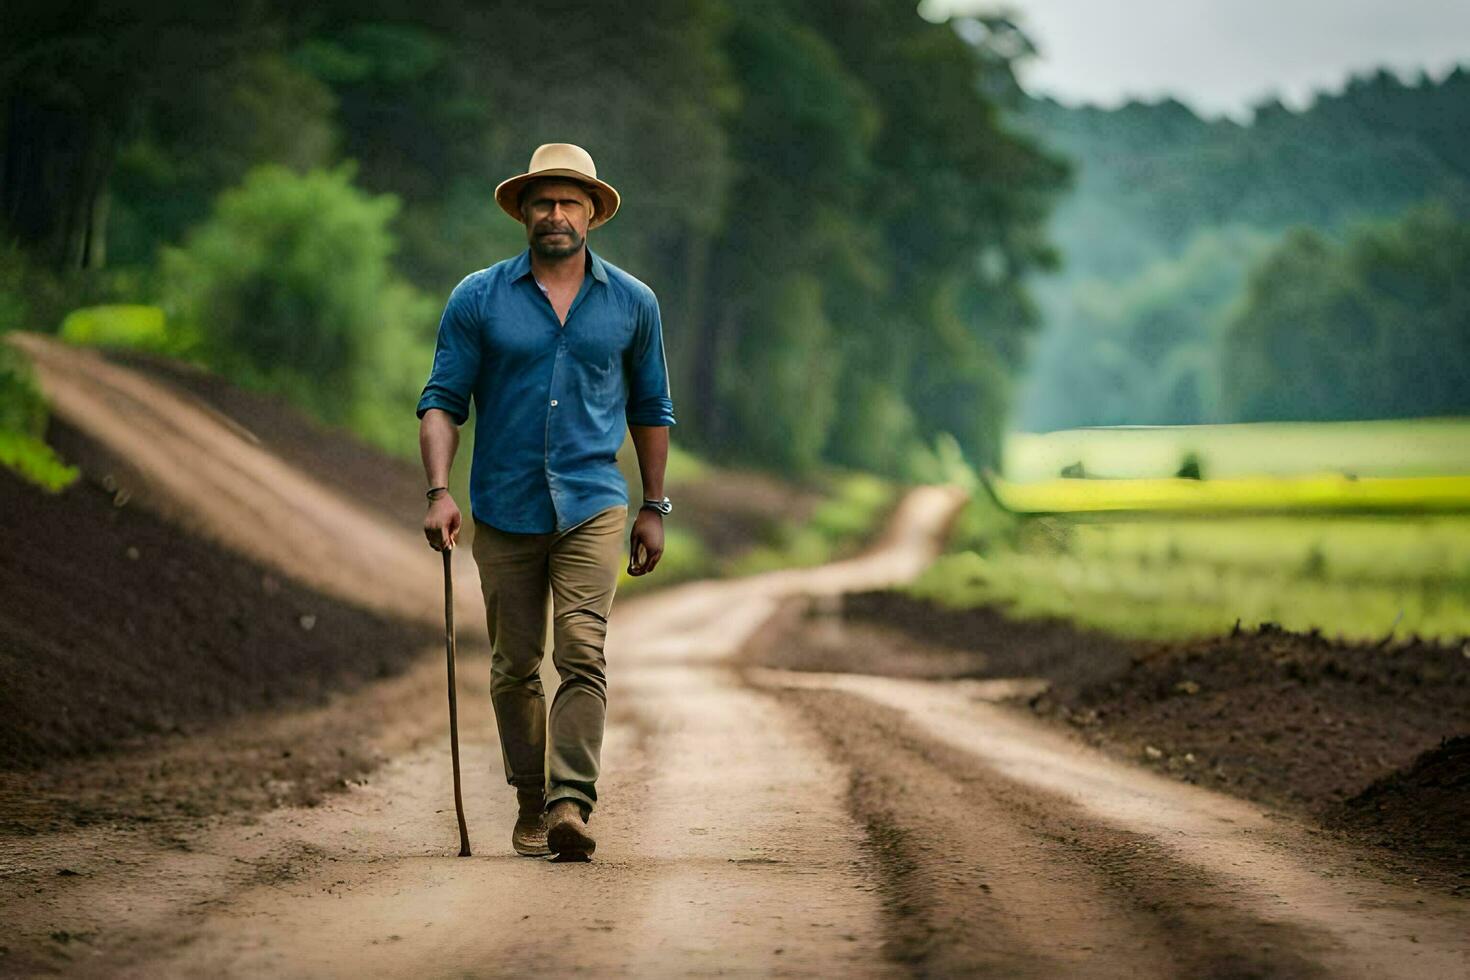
column 288, row 288
column 1150, row 351
column 122, row 325
column 23, row 426
column 848, row 213
column 22, row 409
column 1172, row 213
column 828, row 199
column 1383, row 320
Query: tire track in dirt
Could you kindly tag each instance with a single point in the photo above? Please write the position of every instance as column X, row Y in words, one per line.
column 1106, row 869
column 985, row 876
column 724, row 836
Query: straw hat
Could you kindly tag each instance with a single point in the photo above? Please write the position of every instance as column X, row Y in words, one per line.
column 560, row 160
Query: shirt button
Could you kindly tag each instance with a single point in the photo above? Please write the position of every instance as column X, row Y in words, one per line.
column 553, row 402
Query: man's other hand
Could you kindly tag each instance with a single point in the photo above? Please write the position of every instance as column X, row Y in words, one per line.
column 647, row 545
column 442, row 522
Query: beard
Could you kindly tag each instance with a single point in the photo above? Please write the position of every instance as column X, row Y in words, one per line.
column 556, row 247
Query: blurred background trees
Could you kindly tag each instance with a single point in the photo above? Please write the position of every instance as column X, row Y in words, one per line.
column 1384, row 317
column 809, row 189
column 855, row 219
column 1175, row 221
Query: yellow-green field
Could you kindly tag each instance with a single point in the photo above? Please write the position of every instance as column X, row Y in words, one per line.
column 1356, row 577
column 1174, row 575
column 1316, row 492
column 1395, row 447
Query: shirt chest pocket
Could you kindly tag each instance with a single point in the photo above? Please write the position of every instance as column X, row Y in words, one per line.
column 598, row 348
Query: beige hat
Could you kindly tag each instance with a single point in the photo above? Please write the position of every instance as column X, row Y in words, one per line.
column 560, row 160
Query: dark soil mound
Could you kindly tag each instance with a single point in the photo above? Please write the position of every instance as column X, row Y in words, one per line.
column 922, row 639
column 116, row 627
column 1425, row 807
column 1288, row 718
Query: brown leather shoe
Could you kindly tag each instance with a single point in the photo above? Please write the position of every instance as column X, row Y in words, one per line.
column 566, row 832
column 529, row 835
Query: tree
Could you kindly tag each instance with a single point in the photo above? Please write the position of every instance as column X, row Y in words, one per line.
column 288, row 288
column 1377, row 327
column 74, row 80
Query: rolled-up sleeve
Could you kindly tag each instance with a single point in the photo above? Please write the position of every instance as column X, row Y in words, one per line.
column 649, row 399
column 456, row 356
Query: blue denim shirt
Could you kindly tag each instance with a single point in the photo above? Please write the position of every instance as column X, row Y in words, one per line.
column 551, row 402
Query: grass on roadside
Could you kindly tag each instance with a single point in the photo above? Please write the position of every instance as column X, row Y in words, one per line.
column 857, row 505
column 23, row 448
column 1358, row 577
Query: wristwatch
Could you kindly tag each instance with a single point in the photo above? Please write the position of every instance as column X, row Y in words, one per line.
column 663, row 506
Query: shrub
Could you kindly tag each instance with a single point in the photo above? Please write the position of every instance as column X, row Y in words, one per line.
column 122, row 325
column 23, row 424
column 288, row 288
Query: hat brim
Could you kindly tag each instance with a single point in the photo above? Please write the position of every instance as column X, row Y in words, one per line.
column 606, row 197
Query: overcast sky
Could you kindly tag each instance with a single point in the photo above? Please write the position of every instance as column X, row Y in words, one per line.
column 1220, row 56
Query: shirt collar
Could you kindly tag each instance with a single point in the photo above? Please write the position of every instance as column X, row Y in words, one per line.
column 522, row 266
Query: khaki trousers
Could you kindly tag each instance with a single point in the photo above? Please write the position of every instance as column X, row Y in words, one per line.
column 578, row 568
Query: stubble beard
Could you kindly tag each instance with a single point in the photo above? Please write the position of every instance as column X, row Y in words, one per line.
column 558, row 247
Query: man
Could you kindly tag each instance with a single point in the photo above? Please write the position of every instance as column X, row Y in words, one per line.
column 559, row 349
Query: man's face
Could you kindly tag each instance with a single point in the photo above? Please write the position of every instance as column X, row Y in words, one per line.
column 556, row 213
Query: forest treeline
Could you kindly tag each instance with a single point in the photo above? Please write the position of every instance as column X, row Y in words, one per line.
column 1299, row 266
column 827, row 197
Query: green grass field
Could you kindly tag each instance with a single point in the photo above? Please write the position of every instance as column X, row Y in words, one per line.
column 1395, row 447
column 1168, row 575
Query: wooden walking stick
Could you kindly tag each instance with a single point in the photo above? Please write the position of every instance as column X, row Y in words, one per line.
column 464, row 835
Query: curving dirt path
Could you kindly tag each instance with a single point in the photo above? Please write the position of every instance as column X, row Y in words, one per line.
column 753, row 822
column 223, row 484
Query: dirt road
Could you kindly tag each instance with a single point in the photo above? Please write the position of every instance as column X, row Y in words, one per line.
column 753, row 822
column 221, row 482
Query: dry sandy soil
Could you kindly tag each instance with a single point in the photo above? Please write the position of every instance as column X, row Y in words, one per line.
column 753, row 821
column 1367, row 740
